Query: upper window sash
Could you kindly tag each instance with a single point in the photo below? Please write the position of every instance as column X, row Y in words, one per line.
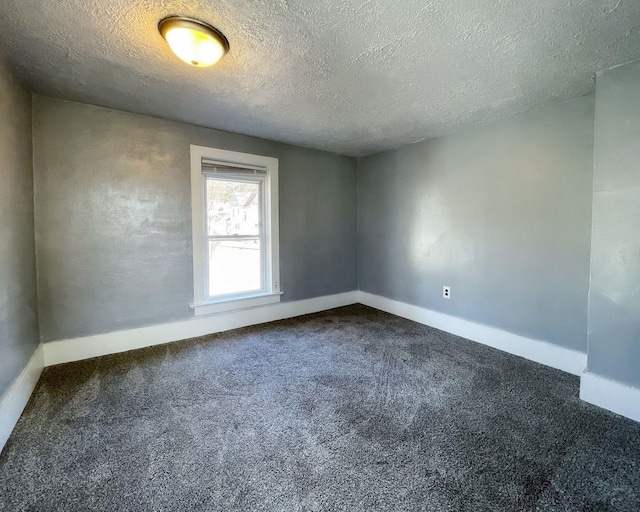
column 260, row 181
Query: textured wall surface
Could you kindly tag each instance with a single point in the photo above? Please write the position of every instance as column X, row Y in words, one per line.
column 18, row 301
column 113, row 217
column 501, row 213
column 351, row 76
column 614, row 296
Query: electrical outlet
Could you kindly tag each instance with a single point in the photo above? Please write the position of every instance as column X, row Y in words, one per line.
column 446, row 292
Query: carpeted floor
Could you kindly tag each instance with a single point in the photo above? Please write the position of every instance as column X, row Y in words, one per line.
column 351, row 409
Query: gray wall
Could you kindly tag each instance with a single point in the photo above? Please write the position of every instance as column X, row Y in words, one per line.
column 113, row 217
column 18, row 302
column 614, row 298
column 501, row 213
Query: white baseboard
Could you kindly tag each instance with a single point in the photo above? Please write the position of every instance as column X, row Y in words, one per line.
column 609, row 394
column 539, row 351
column 614, row 396
column 15, row 399
column 65, row 351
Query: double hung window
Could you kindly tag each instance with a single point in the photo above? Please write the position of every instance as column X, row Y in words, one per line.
column 235, row 230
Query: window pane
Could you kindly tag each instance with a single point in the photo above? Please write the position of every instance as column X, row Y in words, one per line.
column 233, row 207
column 234, row 266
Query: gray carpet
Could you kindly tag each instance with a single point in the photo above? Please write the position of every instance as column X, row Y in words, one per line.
column 351, row 409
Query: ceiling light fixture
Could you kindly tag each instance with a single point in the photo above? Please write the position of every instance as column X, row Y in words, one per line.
column 195, row 42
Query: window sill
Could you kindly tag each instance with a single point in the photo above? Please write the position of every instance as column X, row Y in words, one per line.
column 234, row 304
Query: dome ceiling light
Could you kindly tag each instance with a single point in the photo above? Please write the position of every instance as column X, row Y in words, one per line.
column 195, row 42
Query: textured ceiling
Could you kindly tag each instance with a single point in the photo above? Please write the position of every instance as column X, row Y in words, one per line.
column 352, row 76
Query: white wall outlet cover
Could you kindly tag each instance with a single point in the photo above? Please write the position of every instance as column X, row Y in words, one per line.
column 446, row 292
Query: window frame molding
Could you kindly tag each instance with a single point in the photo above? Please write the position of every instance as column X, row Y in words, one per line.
column 202, row 304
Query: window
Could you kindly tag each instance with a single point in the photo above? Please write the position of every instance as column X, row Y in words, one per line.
column 234, row 202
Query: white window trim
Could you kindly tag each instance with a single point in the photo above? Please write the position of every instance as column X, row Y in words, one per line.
column 201, row 304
